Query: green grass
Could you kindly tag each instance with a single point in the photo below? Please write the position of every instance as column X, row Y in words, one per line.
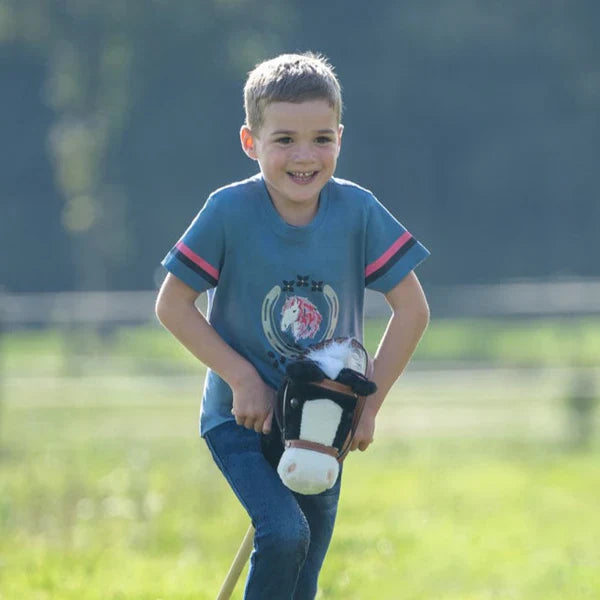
column 474, row 489
column 117, row 498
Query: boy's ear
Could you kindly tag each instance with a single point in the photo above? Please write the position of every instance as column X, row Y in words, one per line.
column 247, row 140
column 340, row 132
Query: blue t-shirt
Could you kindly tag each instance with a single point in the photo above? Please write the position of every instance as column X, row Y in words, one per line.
column 275, row 288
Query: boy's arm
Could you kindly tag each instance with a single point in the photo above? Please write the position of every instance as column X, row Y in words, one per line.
column 410, row 316
column 252, row 398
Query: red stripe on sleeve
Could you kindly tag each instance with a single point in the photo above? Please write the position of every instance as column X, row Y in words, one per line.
column 197, row 259
column 378, row 263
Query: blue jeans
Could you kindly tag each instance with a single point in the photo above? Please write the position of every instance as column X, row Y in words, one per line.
column 292, row 530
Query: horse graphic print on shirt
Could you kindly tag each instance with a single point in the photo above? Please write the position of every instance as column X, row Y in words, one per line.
column 301, row 316
column 299, row 311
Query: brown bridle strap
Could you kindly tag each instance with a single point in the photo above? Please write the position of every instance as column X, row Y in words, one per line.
column 315, row 446
column 360, row 404
column 334, row 386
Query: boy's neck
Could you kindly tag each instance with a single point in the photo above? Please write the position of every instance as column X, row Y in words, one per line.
column 297, row 214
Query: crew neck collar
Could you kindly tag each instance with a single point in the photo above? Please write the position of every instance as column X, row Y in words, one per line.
column 280, row 226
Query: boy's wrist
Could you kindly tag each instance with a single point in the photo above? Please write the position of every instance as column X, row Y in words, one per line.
column 240, row 372
column 371, row 407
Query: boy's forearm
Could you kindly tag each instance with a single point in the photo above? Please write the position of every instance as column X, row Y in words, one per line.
column 404, row 330
column 191, row 328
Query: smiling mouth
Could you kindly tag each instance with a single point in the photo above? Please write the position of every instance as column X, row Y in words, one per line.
column 302, row 176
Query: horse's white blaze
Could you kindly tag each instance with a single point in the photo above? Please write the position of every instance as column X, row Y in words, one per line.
column 320, row 420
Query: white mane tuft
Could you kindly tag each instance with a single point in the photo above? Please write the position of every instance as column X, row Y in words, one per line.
column 333, row 357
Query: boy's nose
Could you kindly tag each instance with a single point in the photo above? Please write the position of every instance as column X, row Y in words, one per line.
column 303, row 153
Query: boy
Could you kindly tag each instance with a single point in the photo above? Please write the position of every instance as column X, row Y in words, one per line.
column 285, row 257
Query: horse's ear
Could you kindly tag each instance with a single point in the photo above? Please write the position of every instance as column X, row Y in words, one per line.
column 305, row 370
column 359, row 383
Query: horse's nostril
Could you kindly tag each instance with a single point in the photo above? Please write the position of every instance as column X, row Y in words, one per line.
column 291, row 468
column 330, row 476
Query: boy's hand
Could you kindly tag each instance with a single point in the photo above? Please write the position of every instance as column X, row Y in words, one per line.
column 253, row 402
column 365, row 431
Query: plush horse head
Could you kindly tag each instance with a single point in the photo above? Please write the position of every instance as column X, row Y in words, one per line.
column 318, row 409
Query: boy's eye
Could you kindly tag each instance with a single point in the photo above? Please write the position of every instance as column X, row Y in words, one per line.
column 284, row 140
column 323, row 139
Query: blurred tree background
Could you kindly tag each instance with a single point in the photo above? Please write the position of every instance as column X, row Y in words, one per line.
column 476, row 123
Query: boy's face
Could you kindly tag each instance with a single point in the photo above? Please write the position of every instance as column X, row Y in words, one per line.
column 297, row 149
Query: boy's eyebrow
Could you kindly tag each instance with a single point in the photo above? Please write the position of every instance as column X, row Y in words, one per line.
column 290, row 131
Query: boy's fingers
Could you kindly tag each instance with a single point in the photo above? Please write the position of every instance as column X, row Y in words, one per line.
column 239, row 419
column 361, row 445
column 266, row 428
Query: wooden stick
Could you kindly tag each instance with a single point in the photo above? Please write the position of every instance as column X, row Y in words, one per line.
column 237, row 566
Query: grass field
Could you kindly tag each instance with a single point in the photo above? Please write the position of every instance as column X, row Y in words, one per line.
column 476, row 487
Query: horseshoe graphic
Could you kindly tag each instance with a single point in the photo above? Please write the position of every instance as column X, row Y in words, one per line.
column 273, row 335
column 334, row 310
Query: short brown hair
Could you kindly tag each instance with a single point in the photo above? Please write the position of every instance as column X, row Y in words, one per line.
column 290, row 78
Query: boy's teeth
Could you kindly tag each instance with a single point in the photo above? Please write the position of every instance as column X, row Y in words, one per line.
column 296, row 174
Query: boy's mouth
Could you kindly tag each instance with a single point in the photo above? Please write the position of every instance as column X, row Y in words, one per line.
column 302, row 177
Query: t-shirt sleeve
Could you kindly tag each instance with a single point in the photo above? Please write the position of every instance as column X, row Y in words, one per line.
column 197, row 257
column 391, row 251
